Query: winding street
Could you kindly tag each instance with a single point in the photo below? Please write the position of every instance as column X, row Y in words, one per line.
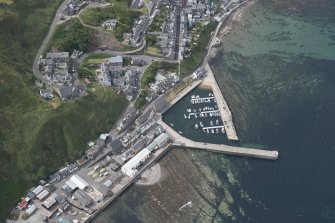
column 57, row 20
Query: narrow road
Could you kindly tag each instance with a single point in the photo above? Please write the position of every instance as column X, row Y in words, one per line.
column 53, row 25
column 56, row 21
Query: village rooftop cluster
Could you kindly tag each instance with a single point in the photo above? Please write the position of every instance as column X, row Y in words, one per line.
column 78, row 190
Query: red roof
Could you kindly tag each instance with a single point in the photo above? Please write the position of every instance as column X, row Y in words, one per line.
column 22, row 204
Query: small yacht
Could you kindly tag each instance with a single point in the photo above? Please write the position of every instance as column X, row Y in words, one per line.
column 195, row 115
column 217, row 122
column 196, row 126
column 185, row 116
column 192, row 96
column 194, row 110
column 207, row 131
column 202, row 125
column 211, row 123
column 223, row 131
column 180, row 132
column 212, row 130
column 171, row 124
column 217, row 131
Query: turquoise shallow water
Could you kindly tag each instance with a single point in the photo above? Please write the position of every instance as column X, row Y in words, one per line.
column 277, row 72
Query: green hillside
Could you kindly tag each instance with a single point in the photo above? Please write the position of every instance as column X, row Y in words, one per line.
column 36, row 138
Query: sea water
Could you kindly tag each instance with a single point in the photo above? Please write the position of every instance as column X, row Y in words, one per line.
column 277, row 73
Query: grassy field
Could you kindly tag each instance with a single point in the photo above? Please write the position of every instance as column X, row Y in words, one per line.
column 188, row 65
column 95, row 58
column 96, row 61
column 119, row 10
column 36, row 138
column 8, row 2
column 152, row 47
column 71, row 35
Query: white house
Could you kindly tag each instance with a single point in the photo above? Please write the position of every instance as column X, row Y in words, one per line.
column 109, row 23
column 130, row 167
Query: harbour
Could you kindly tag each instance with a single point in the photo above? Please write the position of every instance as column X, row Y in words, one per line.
column 84, row 188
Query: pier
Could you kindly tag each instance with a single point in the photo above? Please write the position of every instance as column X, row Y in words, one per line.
column 219, row 148
column 213, row 127
column 213, row 112
column 222, row 105
column 201, row 100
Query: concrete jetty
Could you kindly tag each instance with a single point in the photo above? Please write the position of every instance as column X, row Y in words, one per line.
column 213, row 127
column 201, row 100
column 222, row 105
column 219, row 148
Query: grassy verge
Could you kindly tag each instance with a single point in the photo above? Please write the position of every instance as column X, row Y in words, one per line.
column 170, row 95
column 141, row 101
column 119, row 11
column 188, row 65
